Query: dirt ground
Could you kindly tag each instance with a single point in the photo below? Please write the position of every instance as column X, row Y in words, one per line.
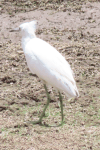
column 73, row 27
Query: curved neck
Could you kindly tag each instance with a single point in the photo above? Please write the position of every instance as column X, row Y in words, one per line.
column 26, row 39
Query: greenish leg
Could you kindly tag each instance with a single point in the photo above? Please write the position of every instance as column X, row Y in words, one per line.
column 48, row 101
column 61, row 105
column 43, row 113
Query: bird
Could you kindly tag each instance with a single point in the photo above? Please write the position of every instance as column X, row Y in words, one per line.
column 48, row 64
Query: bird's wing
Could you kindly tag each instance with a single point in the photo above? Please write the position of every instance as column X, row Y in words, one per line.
column 50, row 57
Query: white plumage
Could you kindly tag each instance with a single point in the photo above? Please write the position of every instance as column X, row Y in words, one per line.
column 46, row 62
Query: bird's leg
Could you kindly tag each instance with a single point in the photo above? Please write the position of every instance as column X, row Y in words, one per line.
column 48, row 101
column 61, row 105
column 42, row 115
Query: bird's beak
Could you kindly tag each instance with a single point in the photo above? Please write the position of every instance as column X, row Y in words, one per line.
column 15, row 30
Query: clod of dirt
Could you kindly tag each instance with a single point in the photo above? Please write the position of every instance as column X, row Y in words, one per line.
column 8, row 80
column 3, row 108
column 29, row 96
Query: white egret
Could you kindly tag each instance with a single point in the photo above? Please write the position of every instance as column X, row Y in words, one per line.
column 48, row 64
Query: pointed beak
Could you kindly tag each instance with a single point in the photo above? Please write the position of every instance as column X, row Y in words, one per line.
column 15, row 30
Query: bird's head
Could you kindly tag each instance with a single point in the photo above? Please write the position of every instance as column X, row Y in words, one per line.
column 27, row 29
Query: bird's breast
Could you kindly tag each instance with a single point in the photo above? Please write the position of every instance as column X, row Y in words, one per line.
column 31, row 61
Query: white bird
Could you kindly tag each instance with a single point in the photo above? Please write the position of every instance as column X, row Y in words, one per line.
column 48, row 64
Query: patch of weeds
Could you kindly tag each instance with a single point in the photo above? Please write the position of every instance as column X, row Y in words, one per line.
column 57, row 38
column 56, row 114
column 3, row 129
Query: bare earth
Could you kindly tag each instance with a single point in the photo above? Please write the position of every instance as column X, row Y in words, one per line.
column 74, row 29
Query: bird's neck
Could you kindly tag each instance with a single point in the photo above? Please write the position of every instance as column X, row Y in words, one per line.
column 26, row 39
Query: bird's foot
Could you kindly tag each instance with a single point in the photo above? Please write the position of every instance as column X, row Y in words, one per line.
column 35, row 122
